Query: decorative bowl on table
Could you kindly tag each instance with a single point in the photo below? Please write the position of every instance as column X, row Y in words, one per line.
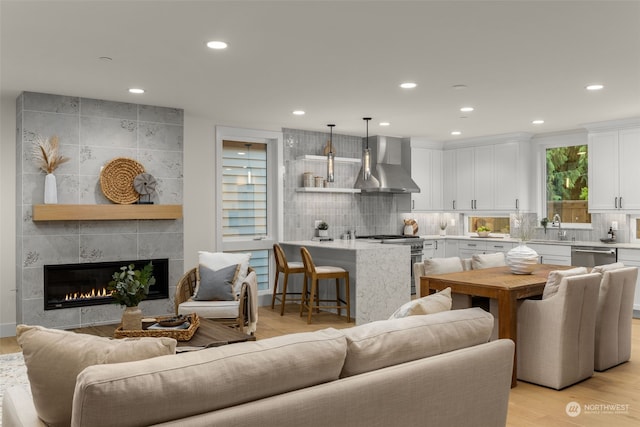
column 173, row 321
column 483, row 233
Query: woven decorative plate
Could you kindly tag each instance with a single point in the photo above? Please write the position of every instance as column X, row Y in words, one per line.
column 116, row 180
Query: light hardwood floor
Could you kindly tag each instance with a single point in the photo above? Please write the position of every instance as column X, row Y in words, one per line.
column 529, row 405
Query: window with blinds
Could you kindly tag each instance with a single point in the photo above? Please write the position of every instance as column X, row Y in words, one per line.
column 244, row 190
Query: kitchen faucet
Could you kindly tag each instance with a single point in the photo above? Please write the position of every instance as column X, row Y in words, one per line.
column 562, row 235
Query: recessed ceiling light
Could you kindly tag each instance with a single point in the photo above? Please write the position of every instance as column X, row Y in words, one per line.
column 537, row 122
column 594, row 87
column 384, row 123
column 136, row 90
column 241, row 153
column 298, row 113
column 456, row 132
column 216, row 44
column 408, row 85
column 466, row 109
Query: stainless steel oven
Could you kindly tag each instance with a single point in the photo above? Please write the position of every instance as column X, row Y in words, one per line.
column 415, row 242
column 590, row 256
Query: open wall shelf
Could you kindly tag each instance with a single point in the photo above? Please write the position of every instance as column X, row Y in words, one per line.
column 59, row 212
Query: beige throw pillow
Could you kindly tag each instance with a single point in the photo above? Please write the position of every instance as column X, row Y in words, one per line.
column 556, row 276
column 54, row 358
column 434, row 303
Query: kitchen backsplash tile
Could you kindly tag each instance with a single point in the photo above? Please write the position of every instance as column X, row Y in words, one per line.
column 365, row 213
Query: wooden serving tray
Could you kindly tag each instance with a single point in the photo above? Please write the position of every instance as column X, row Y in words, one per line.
column 178, row 334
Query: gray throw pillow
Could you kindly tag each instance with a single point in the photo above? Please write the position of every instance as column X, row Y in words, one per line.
column 216, row 285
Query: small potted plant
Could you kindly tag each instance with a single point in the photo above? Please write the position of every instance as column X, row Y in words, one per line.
column 443, row 228
column 323, row 228
column 128, row 288
column 544, row 222
column 483, row 231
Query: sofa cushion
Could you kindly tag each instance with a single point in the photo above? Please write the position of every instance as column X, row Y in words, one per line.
column 54, row 358
column 480, row 261
column 202, row 381
column 218, row 260
column 434, row 303
column 211, row 309
column 216, row 285
column 385, row 343
column 556, row 276
column 607, row 267
column 442, row 265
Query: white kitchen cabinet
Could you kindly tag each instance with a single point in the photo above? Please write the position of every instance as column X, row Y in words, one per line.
column 474, row 179
column 449, row 179
column 489, row 177
column 433, row 249
column 613, row 170
column 631, row 258
column 552, row 254
column 426, row 171
column 512, row 177
column 495, row 247
column 450, row 248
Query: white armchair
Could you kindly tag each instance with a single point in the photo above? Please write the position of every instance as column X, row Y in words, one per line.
column 556, row 335
column 613, row 317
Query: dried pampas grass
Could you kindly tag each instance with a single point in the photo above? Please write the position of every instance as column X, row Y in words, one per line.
column 45, row 153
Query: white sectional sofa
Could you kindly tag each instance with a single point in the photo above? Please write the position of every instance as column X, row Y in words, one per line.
column 431, row 370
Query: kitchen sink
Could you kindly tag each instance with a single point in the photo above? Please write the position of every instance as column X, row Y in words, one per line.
column 554, row 241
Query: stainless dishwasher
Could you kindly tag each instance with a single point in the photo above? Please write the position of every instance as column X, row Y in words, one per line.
column 590, row 256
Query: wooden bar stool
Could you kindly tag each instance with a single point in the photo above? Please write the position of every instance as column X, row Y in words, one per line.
column 310, row 297
column 286, row 268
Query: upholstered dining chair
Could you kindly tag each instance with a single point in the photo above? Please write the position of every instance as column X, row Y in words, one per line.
column 310, row 294
column 556, row 335
column 433, row 266
column 613, row 317
column 286, row 268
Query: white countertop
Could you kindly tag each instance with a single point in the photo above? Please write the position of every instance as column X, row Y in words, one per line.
column 357, row 244
column 537, row 241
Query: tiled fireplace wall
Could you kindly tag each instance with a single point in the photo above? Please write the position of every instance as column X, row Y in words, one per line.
column 365, row 213
column 92, row 132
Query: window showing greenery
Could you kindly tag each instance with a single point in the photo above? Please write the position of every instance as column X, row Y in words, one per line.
column 494, row 224
column 567, row 184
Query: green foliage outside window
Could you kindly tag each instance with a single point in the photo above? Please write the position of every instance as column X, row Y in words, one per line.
column 567, row 183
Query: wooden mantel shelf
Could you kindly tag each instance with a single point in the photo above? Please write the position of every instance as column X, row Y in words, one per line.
column 105, row 212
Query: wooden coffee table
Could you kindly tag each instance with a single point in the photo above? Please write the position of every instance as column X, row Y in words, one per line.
column 209, row 334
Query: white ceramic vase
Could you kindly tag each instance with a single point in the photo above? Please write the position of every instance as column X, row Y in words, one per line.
column 522, row 259
column 50, row 189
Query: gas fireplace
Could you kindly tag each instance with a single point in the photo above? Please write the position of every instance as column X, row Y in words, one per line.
column 77, row 285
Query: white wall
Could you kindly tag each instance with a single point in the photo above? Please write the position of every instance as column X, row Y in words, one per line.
column 199, row 187
column 7, row 216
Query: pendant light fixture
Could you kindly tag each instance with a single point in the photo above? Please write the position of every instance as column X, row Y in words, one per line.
column 249, row 177
column 330, row 157
column 366, row 154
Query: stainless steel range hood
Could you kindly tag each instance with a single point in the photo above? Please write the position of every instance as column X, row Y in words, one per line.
column 387, row 173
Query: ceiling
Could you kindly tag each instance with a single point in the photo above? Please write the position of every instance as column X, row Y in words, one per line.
column 338, row 61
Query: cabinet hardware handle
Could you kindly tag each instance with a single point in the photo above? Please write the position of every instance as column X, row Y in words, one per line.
column 517, row 204
column 454, row 205
column 616, row 203
column 620, row 202
column 436, row 245
column 472, row 245
column 498, row 246
column 413, row 204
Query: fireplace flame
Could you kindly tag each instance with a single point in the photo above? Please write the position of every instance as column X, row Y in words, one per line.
column 94, row 293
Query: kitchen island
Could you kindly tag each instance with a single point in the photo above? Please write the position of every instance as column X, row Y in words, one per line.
column 379, row 274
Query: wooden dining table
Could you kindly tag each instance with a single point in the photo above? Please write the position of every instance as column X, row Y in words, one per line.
column 499, row 283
